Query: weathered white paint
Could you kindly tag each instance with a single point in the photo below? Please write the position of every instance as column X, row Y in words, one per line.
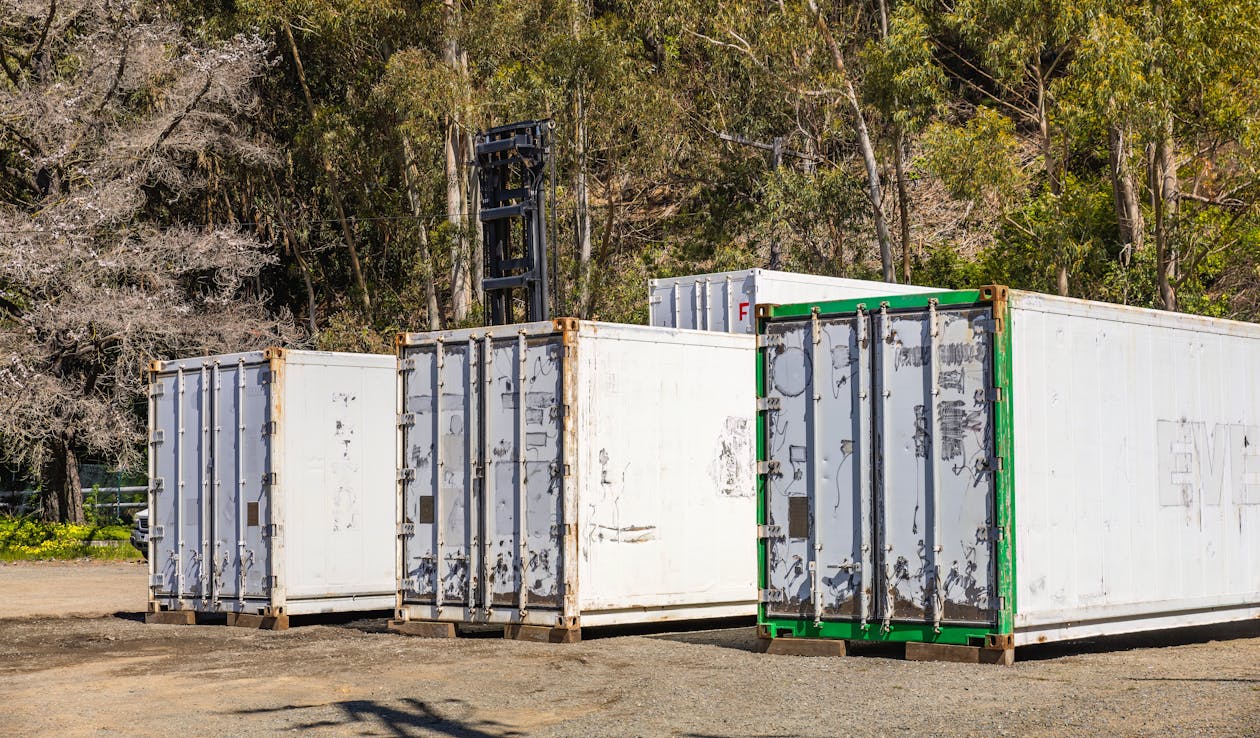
column 655, row 518
column 323, row 424
column 1137, row 468
column 727, row 301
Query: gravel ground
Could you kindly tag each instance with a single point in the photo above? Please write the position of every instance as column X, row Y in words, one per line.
column 115, row 675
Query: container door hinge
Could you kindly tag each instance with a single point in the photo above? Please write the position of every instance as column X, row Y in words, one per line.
column 157, row 580
column 654, row 300
column 273, row 581
column 406, row 529
column 269, row 479
column 999, row 603
column 479, row 471
column 767, row 468
column 155, row 533
column 994, row 463
column 270, row 428
column 768, row 341
column 156, row 390
column 765, row 404
column 156, row 485
column 769, row 595
column 406, row 419
column 156, row 437
column 264, row 377
column 997, row 533
column 406, row 365
column 406, row 474
column 559, row 470
column 271, row 530
column 993, row 394
column 769, row 531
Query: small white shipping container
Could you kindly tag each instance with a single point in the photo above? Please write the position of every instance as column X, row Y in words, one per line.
column 572, row 473
column 999, row 468
column 271, row 485
column 726, row 301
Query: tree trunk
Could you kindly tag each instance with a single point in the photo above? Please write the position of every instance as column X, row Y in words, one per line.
column 472, row 199
column 1166, row 194
column 333, row 191
column 60, row 492
column 903, row 200
column 1132, row 226
column 411, row 176
column 581, row 194
column 874, row 189
column 461, row 293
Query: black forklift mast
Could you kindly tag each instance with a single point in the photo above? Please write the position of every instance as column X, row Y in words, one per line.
column 512, row 165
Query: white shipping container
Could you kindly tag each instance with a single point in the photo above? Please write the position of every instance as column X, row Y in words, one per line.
column 572, row 473
column 999, row 468
column 271, row 485
column 726, row 301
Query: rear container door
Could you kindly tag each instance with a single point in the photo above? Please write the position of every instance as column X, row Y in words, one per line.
column 524, row 515
column 242, row 450
column 880, row 485
column 441, row 385
column 819, row 518
column 934, row 429
column 180, row 527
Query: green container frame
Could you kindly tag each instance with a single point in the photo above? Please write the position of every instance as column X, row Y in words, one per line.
column 1004, row 507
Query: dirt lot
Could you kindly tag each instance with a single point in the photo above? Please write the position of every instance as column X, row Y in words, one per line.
column 111, row 674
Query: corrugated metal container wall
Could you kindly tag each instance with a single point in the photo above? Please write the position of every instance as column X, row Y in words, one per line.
column 575, row 473
column 272, row 483
column 1001, row 468
column 725, row 301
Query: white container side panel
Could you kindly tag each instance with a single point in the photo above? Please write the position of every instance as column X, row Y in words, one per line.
column 338, row 419
column 666, row 473
column 726, row 301
column 1137, row 468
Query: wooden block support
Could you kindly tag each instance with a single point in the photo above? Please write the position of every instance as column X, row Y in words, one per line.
column 803, row 647
column 260, row 622
column 959, row 654
column 423, row 628
column 171, row 617
column 541, row 633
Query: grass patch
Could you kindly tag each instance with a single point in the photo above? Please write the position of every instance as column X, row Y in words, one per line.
column 23, row 539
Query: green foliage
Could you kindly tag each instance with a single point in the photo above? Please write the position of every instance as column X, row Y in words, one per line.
column 977, row 160
column 26, row 539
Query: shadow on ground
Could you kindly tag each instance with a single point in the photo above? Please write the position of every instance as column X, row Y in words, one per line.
column 1149, row 639
column 404, row 717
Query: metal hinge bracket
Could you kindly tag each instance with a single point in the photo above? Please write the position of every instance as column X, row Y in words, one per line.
column 997, row 533
column 156, row 390
column 270, row 428
column 406, row 529
column 767, row 467
column 993, row 394
column 156, row 485
column 156, row 580
column 769, row 595
column 405, row 365
column 155, row 533
column 654, row 300
column 269, row 479
column 406, row 419
column 765, row 404
column 768, row 341
column 406, row 474
column 769, row 531
column 156, row 437
column 994, row 463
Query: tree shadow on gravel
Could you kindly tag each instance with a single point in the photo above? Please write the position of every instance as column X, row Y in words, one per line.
column 405, row 717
